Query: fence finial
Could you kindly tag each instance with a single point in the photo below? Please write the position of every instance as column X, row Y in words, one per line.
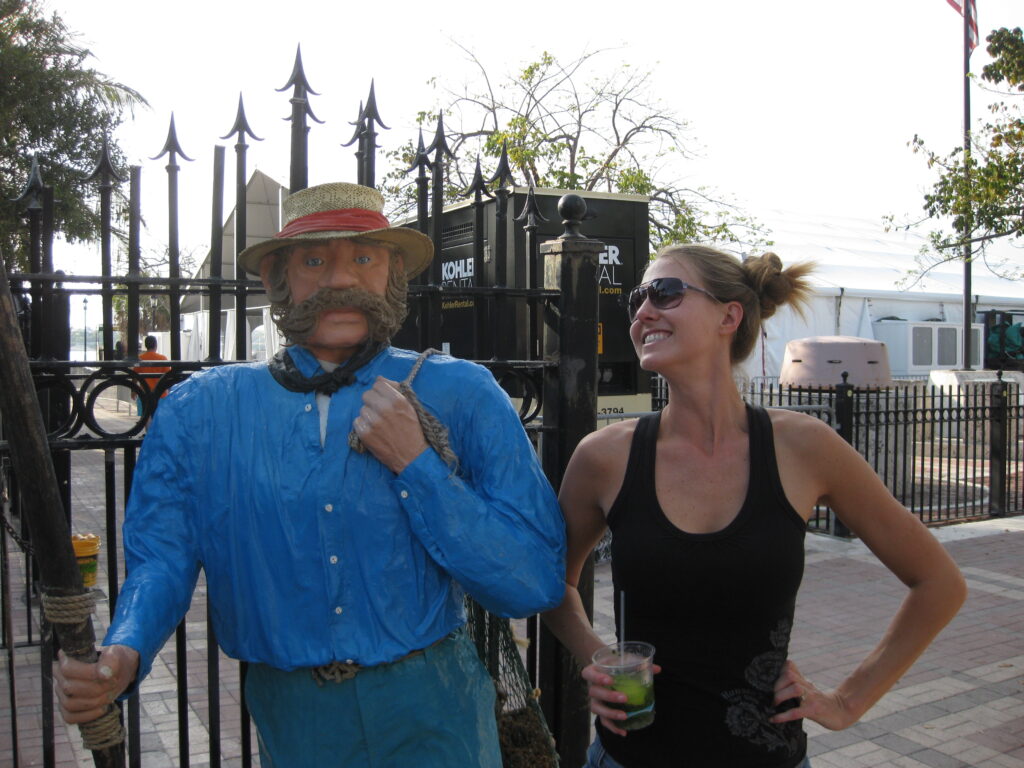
column 439, row 143
column 241, row 126
column 104, row 170
column 477, row 187
column 531, row 210
column 171, row 146
column 572, row 208
column 301, row 85
column 503, row 174
column 31, row 195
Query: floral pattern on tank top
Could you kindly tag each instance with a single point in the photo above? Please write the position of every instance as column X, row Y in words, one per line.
column 747, row 717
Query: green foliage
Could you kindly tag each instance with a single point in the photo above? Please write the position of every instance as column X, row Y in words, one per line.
column 574, row 126
column 981, row 192
column 53, row 105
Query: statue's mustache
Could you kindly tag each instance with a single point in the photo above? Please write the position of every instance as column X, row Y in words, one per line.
column 297, row 321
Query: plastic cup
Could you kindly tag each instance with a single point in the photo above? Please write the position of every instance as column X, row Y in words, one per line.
column 630, row 667
column 87, row 550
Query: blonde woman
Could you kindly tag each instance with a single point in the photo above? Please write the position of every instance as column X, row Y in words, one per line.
column 708, row 503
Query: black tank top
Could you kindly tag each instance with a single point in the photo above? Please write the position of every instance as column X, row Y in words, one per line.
column 718, row 608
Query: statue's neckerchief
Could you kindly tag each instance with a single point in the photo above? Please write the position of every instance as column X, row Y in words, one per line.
column 285, row 372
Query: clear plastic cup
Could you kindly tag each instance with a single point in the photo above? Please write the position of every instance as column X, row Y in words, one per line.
column 630, row 667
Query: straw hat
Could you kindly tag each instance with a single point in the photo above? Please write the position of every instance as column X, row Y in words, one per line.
column 339, row 210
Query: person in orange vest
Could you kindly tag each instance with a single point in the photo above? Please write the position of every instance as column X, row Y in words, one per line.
column 154, row 370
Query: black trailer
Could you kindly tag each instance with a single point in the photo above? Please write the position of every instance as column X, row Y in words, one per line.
column 474, row 326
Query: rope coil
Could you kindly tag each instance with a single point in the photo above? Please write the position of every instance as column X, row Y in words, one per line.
column 68, row 609
column 435, row 433
column 103, row 732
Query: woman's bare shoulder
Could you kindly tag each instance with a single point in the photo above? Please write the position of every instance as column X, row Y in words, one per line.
column 598, row 464
column 800, row 429
column 608, row 442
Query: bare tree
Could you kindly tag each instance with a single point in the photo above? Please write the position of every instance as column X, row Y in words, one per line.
column 578, row 126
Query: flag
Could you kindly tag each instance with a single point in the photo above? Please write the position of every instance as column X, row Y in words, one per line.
column 973, row 10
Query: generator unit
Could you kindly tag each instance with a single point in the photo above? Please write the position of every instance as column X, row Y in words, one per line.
column 475, row 326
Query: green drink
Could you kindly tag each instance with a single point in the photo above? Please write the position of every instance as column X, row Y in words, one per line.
column 629, row 665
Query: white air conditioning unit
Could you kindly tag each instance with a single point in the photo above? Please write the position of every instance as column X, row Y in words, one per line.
column 915, row 348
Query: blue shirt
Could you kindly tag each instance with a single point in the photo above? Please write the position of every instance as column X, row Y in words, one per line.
column 314, row 553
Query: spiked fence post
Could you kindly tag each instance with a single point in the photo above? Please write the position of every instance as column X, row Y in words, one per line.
column 240, row 128
column 439, row 148
column 478, row 188
column 532, row 217
column 216, row 254
column 106, row 175
column 368, row 140
column 357, row 136
column 131, row 350
column 172, row 149
column 31, row 200
column 421, row 163
column 299, row 178
column 503, row 319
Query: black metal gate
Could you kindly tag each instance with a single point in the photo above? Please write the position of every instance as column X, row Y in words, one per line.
column 94, row 444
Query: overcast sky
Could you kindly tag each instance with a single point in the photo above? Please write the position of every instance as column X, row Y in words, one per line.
column 805, row 105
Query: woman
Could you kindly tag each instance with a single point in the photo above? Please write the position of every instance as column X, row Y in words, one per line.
column 708, row 503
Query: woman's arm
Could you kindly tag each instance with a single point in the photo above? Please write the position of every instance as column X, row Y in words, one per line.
column 591, row 482
column 579, row 497
column 818, row 464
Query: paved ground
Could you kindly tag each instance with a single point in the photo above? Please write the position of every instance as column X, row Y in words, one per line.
column 961, row 705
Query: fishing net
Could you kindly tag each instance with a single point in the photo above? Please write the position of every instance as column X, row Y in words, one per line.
column 522, row 731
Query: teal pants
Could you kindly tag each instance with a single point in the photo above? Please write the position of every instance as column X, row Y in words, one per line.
column 432, row 710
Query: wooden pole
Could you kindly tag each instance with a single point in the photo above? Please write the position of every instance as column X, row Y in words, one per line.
column 60, row 578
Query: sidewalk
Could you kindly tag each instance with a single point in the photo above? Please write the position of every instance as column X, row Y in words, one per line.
column 961, row 705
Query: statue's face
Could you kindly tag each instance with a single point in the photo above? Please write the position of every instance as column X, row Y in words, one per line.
column 338, row 288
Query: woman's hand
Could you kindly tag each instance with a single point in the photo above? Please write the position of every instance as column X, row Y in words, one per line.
column 826, row 709
column 601, row 695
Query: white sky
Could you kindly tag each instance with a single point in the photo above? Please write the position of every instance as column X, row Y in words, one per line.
column 805, row 105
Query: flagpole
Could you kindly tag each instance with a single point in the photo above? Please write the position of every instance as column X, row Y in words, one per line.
column 967, row 8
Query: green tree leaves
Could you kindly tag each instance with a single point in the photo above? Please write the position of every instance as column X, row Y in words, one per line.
column 52, row 104
column 981, row 193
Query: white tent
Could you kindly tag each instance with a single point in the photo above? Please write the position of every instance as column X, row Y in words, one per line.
column 863, row 286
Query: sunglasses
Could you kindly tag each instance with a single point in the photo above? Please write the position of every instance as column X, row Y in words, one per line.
column 663, row 293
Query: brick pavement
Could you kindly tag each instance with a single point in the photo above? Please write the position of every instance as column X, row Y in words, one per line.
column 961, row 705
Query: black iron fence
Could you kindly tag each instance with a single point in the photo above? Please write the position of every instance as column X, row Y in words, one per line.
column 95, row 433
column 948, row 453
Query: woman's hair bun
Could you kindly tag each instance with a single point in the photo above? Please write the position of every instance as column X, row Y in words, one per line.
column 774, row 285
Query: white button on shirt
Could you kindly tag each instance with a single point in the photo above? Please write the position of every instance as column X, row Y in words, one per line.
column 338, row 610
column 334, row 559
column 328, row 507
column 404, row 494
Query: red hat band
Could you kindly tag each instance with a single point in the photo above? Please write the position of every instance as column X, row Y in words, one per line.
column 344, row 220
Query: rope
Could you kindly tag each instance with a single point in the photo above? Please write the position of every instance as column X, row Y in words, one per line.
column 434, row 431
column 106, row 730
column 335, row 672
column 68, row 609
column 103, row 732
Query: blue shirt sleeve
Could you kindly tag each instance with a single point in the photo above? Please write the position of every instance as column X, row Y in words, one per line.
column 495, row 526
column 161, row 554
